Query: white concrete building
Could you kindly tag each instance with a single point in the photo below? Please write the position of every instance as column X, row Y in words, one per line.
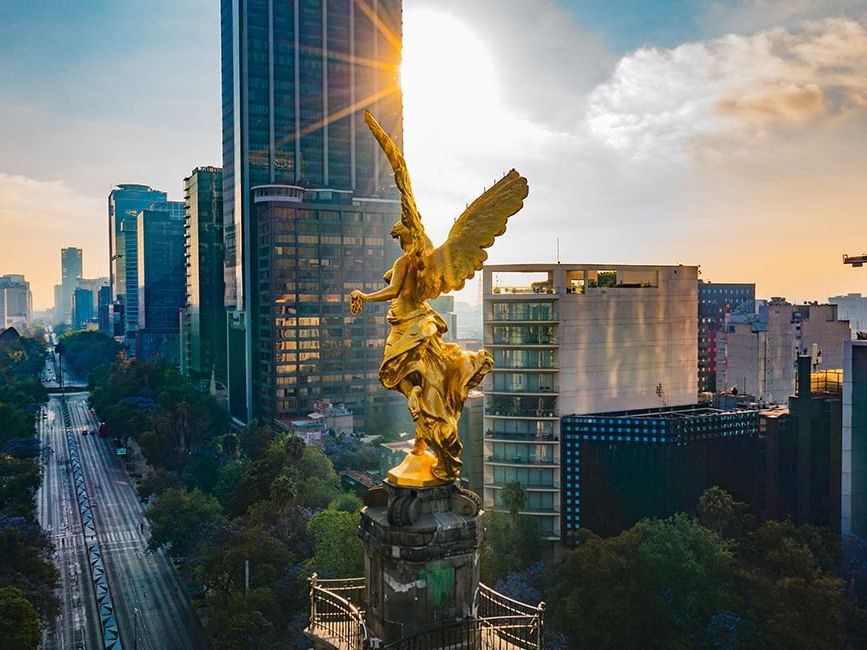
column 577, row 338
column 853, row 308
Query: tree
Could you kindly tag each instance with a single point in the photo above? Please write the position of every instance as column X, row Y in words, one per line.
column 514, row 497
column 718, row 511
column 508, row 546
column 658, row 584
column 26, row 551
column 181, row 519
column 337, row 551
column 19, row 621
column 317, row 483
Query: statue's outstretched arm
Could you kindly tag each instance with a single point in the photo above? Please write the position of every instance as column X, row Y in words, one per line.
column 392, row 291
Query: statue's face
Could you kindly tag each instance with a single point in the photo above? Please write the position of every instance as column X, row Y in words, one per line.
column 400, row 232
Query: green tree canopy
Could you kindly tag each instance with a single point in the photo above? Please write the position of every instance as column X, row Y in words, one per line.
column 181, row 519
column 20, row 628
column 337, row 550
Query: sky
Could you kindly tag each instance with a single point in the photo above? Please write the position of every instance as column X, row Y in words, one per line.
column 727, row 134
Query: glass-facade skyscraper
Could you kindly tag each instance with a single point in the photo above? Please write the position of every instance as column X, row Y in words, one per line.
column 203, row 335
column 124, row 203
column 297, row 77
column 70, row 274
column 161, row 280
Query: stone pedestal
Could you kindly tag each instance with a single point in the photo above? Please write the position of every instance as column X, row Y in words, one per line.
column 421, row 558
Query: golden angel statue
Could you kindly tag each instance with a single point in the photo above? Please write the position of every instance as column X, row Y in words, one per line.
column 433, row 375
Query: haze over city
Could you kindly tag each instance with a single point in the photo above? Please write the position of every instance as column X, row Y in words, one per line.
column 724, row 134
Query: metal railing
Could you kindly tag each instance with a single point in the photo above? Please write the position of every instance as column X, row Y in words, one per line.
column 337, row 617
column 512, row 622
column 333, row 617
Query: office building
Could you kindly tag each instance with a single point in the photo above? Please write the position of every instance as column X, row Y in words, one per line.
column 203, row 322
column 471, row 428
column 310, row 347
column 161, row 275
column 82, row 308
column 296, row 78
column 16, row 301
column 618, row 468
column 103, row 310
column 761, row 348
column 70, row 274
column 577, row 339
column 853, row 308
column 125, row 201
column 854, row 440
column 715, row 300
column 815, row 443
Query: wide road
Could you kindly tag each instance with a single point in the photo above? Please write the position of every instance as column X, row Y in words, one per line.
column 77, row 625
column 152, row 609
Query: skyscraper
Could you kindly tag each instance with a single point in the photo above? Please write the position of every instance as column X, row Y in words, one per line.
column 82, row 307
column 161, row 277
column 203, row 335
column 296, row 153
column 125, row 201
column 70, row 274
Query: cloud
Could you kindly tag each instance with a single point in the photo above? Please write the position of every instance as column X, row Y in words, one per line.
column 37, row 219
column 687, row 98
column 749, row 16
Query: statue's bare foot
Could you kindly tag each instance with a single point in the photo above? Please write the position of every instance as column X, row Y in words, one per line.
column 413, row 402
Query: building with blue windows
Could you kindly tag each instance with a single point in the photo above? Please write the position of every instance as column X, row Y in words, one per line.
column 308, row 199
column 82, row 308
column 620, row 467
column 125, row 201
column 203, row 323
column 162, row 280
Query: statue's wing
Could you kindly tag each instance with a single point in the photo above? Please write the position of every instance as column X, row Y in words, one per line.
column 409, row 214
column 463, row 253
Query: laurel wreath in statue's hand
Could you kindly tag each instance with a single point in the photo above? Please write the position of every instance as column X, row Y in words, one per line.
column 356, row 302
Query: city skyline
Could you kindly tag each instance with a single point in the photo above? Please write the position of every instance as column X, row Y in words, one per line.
column 766, row 147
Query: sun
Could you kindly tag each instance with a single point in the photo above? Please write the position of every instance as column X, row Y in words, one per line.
column 449, row 85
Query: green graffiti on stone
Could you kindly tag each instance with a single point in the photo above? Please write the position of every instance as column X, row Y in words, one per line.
column 440, row 580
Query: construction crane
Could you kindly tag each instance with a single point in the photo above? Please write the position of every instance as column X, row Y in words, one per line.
column 855, row 260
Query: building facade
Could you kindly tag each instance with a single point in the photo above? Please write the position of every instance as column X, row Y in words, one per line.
column 162, row 280
column 312, row 253
column 16, row 301
column 203, row 323
column 296, row 78
column 82, row 308
column 715, row 300
column 125, row 201
column 852, row 307
column 853, row 517
column 70, row 274
column 569, row 338
column 619, row 468
column 761, row 348
column 103, row 310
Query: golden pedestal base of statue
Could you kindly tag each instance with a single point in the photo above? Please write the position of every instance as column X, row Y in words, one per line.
column 416, row 469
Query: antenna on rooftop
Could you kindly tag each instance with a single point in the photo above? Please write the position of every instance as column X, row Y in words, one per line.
column 558, row 250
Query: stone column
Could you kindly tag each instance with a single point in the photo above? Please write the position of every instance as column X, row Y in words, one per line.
column 421, row 559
